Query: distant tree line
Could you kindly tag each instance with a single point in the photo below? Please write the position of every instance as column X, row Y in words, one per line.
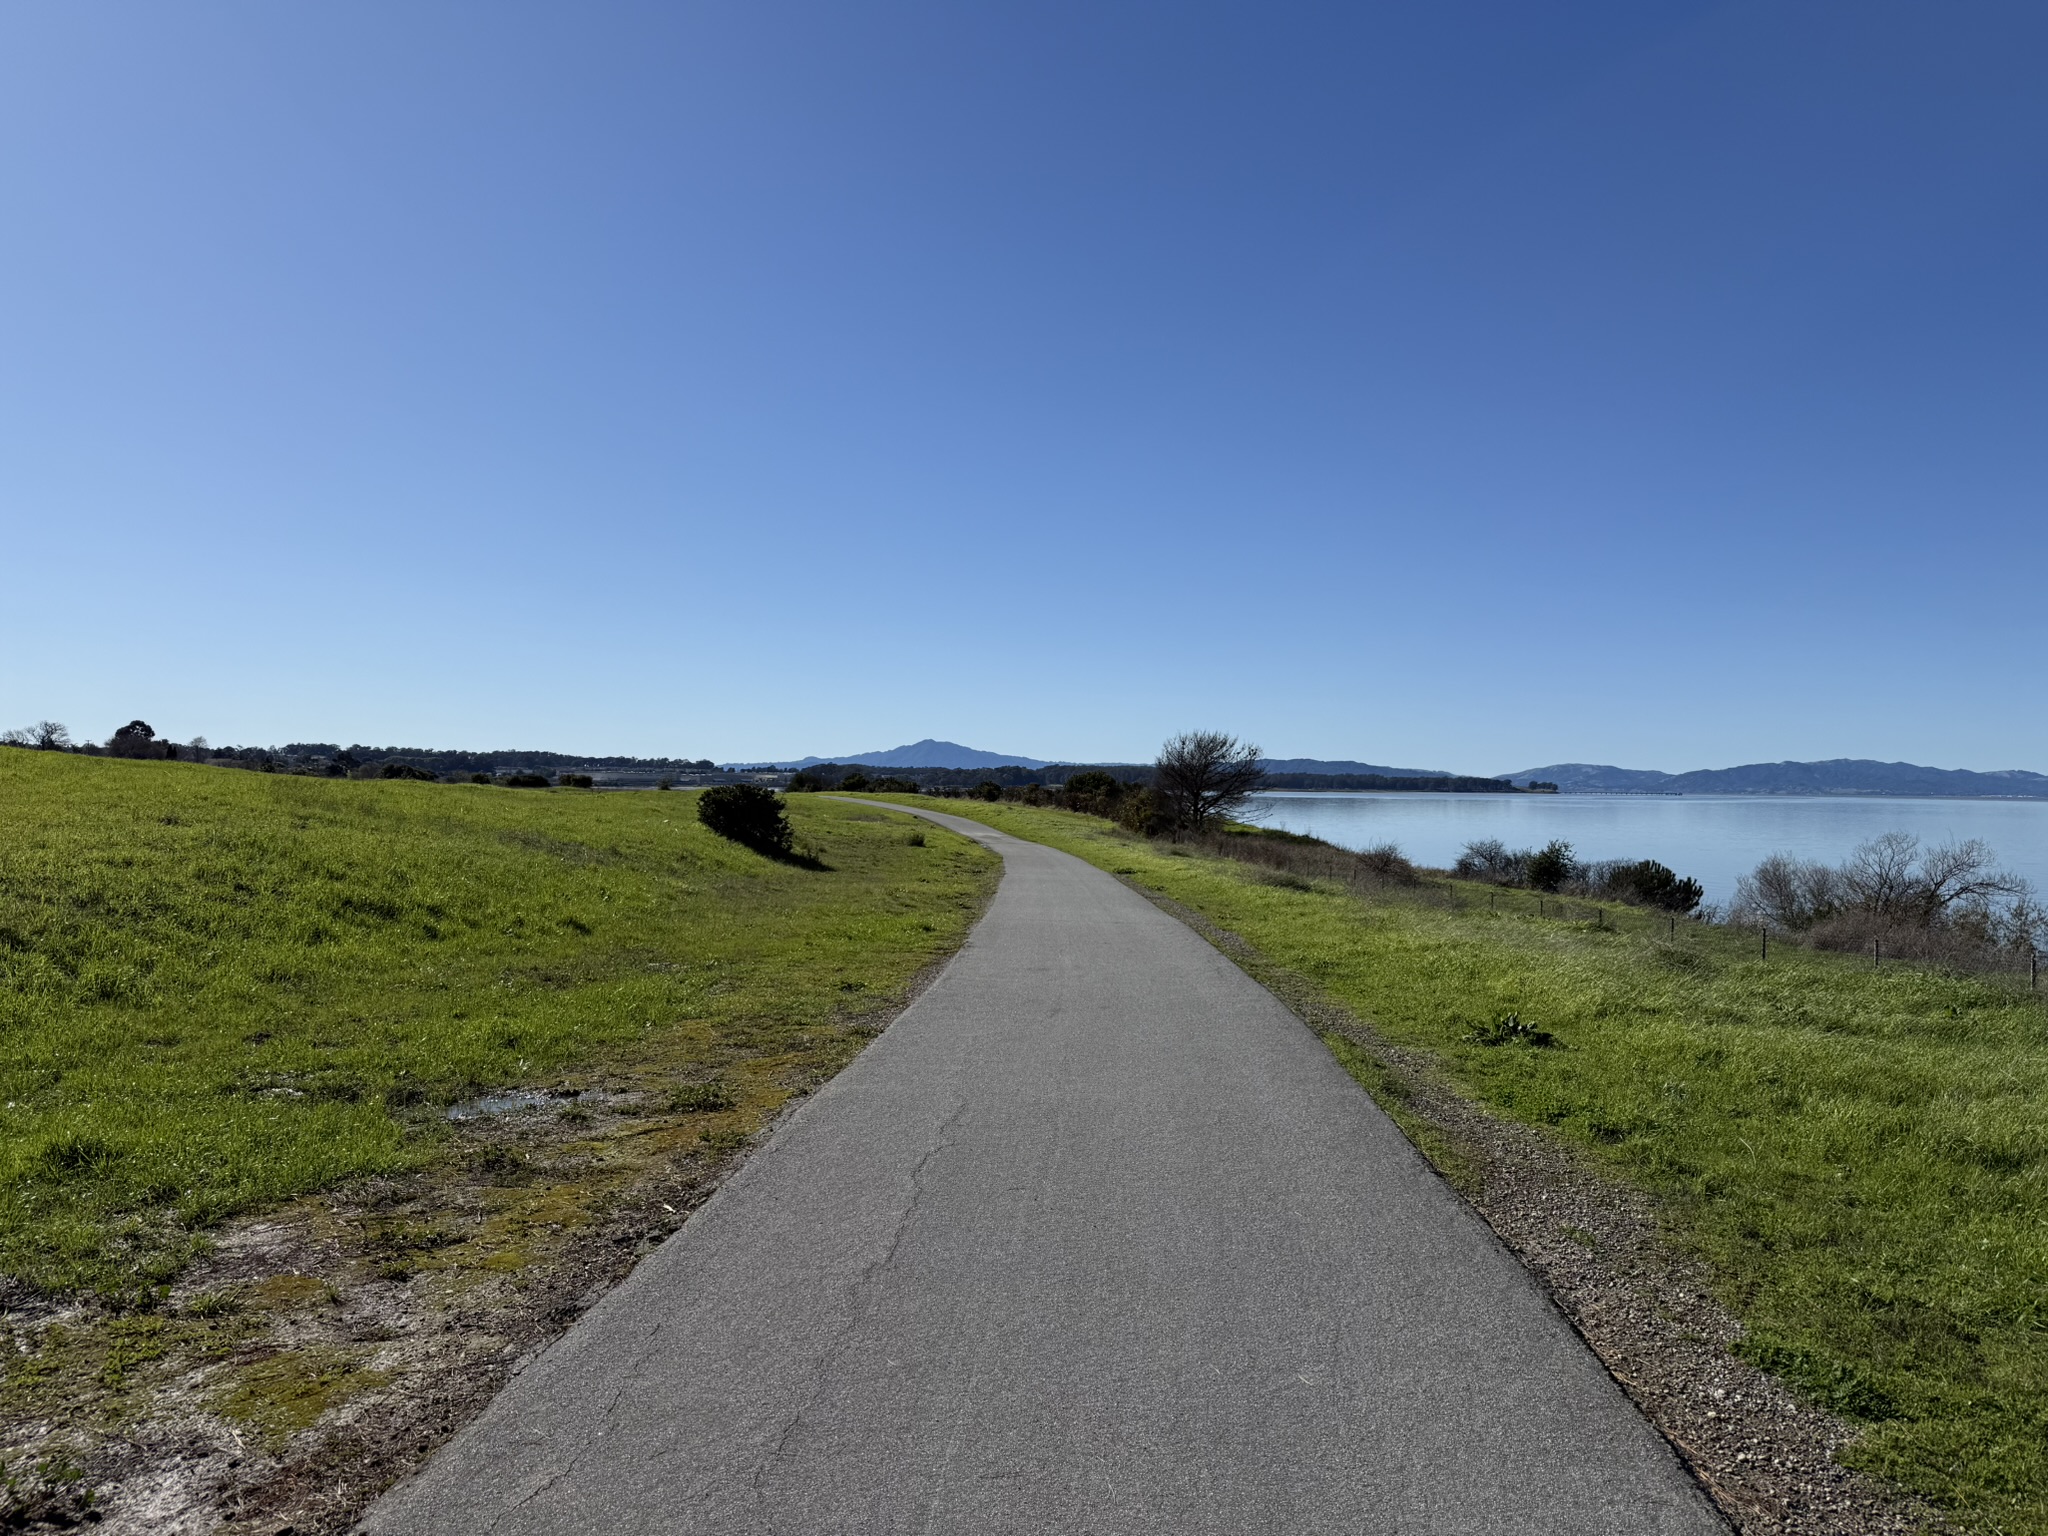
column 445, row 761
column 1450, row 783
column 326, row 759
column 1198, row 780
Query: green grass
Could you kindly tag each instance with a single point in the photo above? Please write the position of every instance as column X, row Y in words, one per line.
column 1862, row 1158
column 220, row 990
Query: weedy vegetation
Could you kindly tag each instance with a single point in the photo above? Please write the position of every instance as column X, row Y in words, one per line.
column 1860, row 1155
column 219, row 991
column 229, row 993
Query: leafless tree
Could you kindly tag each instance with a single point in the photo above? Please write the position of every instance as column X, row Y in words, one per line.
column 51, row 735
column 1880, row 876
column 1204, row 775
column 1789, row 893
column 1890, row 880
column 1966, row 874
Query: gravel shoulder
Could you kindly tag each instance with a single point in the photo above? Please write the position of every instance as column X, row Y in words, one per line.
column 1644, row 1308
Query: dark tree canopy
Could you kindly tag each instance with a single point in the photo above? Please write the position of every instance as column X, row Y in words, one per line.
column 1648, row 883
column 1551, row 866
column 1205, row 775
column 135, row 739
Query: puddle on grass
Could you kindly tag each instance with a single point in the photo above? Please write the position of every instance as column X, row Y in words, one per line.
column 508, row 1103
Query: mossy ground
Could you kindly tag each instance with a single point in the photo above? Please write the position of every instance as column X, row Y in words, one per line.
column 1861, row 1157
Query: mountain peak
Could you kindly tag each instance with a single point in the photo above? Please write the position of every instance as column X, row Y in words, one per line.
column 930, row 753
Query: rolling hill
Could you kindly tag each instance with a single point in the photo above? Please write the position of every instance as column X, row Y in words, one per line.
column 1836, row 776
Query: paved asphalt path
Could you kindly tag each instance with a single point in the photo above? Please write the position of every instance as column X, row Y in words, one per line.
column 1096, row 1238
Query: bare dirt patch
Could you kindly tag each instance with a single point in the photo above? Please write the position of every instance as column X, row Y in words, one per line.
column 319, row 1353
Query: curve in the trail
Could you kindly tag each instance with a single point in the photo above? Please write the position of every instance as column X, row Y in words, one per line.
column 1095, row 1238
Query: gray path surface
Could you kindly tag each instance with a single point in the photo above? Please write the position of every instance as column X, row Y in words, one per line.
column 1096, row 1238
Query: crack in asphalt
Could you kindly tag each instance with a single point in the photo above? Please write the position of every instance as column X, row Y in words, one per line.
column 829, row 1356
column 575, row 1458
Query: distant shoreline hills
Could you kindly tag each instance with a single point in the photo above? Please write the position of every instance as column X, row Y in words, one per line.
column 950, row 754
column 1836, row 776
column 945, row 762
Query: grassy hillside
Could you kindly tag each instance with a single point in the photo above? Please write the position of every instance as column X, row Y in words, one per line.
column 1862, row 1157
column 220, row 990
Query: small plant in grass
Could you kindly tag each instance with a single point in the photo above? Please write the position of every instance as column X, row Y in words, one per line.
column 1281, row 878
column 1831, row 1383
column 1511, row 1031
column 749, row 815
column 702, row 1098
column 78, row 1157
column 210, row 1304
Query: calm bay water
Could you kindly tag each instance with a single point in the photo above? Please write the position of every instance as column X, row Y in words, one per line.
column 1712, row 838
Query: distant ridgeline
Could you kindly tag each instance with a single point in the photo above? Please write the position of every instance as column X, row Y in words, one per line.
column 831, row 775
column 1009, row 775
column 1836, row 776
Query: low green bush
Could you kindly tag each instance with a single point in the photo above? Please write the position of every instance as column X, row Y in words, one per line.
column 749, row 815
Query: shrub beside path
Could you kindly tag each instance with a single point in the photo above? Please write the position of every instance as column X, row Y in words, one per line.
column 1097, row 1237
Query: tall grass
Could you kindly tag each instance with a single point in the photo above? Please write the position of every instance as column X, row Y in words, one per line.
column 221, row 990
column 1861, row 1156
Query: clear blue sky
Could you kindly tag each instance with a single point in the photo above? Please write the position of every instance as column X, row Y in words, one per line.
column 1461, row 385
